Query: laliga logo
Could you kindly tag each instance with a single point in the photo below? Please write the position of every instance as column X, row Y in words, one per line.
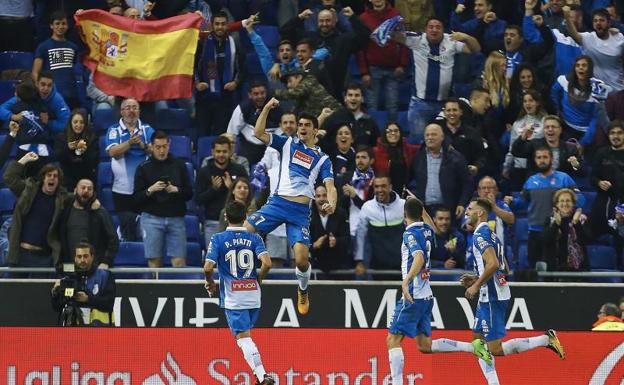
column 607, row 366
column 175, row 378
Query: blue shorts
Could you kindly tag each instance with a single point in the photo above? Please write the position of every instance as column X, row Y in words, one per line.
column 163, row 236
column 412, row 319
column 490, row 319
column 278, row 210
column 241, row 320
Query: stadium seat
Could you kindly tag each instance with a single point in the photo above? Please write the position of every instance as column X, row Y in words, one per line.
column 252, row 64
column 602, row 257
column 106, row 198
column 590, row 197
column 193, row 255
column 7, row 201
column 523, row 256
column 381, row 118
column 104, row 175
column 7, row 90
column 181, row 147
column 103, row 152
column 191, row 171
column 131, row 254
column 102, row 119
column 269, row 34
column 192, row 229
column 173, row 120
column 204, row 149
column 402, row 121
column 11, row 60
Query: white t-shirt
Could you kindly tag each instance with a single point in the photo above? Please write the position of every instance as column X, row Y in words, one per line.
column 607, row 57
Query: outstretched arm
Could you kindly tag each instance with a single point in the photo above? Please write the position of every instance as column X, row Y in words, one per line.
column 572, row 31
column 259, row 129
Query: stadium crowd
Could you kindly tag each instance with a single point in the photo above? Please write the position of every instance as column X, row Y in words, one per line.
column 515, row 101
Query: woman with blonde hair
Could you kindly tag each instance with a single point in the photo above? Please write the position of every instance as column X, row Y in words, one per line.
column 495, row 80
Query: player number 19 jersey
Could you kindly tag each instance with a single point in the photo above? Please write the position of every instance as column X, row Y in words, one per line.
column 236, row 253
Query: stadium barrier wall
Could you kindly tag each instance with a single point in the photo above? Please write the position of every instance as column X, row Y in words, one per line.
column 342, row 305
column 159, row 356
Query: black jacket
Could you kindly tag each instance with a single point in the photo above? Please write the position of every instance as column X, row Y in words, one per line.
column 467, row 141
column 555, row 241
column 162, row 203
column 205, row 195
column 526, row 149
column 455, row 181
column 102, row 235
column 338, row 224
column 364, row 129
column 607, row 165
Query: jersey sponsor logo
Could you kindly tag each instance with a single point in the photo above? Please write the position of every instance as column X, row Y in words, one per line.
column 425, row 274
column 112, row 134
column 502, row 279
column 244, row 285
column 302, row 159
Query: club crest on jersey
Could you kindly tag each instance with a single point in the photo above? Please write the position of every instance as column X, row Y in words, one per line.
column 244, row 285
column 302, row 159
column 411, row 241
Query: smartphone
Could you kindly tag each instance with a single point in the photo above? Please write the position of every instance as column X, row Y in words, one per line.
column 165, row 178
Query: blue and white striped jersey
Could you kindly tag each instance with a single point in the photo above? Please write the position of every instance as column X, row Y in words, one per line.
column 300, row 166
column 496, row 288
column 433, row 65
column 417, row 238
column 236, row 252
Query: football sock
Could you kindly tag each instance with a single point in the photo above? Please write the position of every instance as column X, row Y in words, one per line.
column 489, row 372
column 395, row 355
column 303, row 277
column 252, row 356
column 443, row 345
column 519, row 345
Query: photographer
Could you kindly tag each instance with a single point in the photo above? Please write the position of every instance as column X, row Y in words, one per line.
column 91, row 293
column 161, row 188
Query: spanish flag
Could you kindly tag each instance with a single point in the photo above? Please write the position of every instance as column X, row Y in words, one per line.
column 143, row 59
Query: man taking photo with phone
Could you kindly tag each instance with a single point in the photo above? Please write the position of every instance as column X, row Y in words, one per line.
column 161, row 188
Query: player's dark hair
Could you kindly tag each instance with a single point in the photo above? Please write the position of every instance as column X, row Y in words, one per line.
column 285, row 41
column 49, row 168
column 310, row 117
column 235, row 212
column 483, row 203
column 615, row 124
column 46, row 74
column 456, row 101
column 57, row 15
column 159, row 134
column 366, row 149
column 26, row 92
column 553, row 117
column 221, row 140
column 443, row 209
column 413, row 208
column 380, row 175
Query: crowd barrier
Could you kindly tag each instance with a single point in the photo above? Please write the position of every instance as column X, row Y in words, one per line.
column 334, row 304
column 189, row 356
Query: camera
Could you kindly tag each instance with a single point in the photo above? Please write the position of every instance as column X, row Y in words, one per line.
column 72, row 281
